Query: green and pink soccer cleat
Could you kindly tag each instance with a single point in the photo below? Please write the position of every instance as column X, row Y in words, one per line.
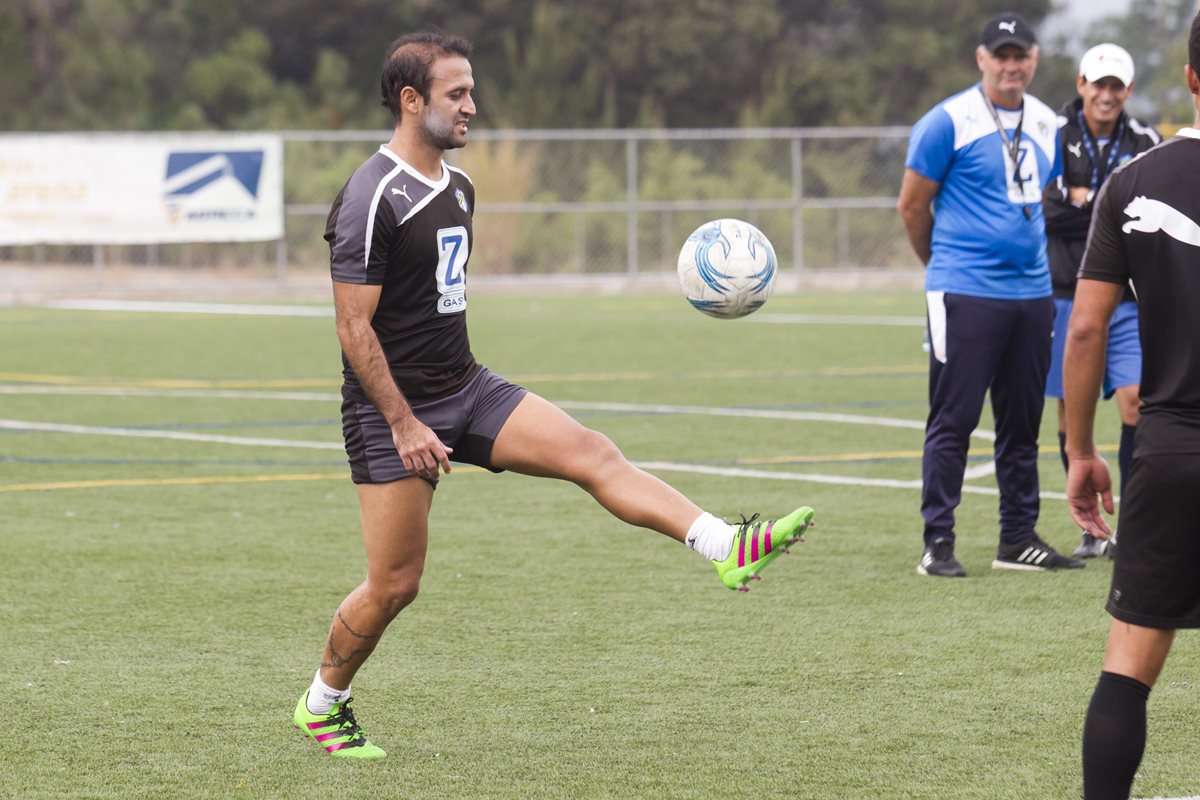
column 757, row 543
column 337, row 731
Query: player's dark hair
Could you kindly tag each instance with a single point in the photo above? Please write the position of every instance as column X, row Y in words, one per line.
column 1194, row 45
column 408, row 62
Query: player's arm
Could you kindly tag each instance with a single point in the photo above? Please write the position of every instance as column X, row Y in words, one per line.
column 419, row 447
column 1083, row 368
column 916, row 210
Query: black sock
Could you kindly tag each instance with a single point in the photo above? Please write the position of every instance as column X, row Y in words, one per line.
column 1114, row 737
column 1062, row 450
column 1125, row 453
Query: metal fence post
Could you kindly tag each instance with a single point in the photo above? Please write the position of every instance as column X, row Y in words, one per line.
column 797, row 204
column 98, row 263
column 281, row 260
column 631, row 192
column 580, row 242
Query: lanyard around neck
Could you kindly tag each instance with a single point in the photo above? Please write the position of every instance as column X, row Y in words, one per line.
column 1013, row 145
column 1093, row 150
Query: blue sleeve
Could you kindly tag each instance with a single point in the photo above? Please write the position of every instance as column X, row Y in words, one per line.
column 931, row 145
column 1056, row 167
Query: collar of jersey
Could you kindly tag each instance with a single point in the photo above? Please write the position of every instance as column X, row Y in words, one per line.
column 1190, row 133
column 435, row 185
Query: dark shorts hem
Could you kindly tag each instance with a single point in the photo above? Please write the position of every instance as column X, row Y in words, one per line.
column 1156, row 577
column 1144, row 621
column 467, row 421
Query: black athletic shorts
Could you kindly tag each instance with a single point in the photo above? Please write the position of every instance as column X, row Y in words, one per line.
column 1156, row 577
column 467, row 421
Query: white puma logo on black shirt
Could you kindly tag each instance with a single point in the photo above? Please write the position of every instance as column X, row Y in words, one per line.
column 1152, row 216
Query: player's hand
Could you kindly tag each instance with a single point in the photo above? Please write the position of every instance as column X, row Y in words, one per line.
column 1087, row 479
column 421, row 451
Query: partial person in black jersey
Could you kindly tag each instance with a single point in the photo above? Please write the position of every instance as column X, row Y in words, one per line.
column 414, row 398
column 1096, row 136
column 1145, row 232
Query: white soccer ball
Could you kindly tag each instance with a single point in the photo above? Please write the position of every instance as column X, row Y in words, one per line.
column 727, row 268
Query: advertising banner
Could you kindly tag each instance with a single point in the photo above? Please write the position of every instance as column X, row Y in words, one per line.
column 140, row 188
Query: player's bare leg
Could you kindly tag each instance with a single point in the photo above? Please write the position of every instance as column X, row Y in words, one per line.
column 1136, row 651
column 395, row 533
column 543, row 440
column 1129, row 404
column 396, row 536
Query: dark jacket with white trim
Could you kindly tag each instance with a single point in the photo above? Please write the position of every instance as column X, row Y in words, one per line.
column 1067, row 224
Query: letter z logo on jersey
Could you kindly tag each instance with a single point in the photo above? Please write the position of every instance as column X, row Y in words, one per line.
column 454, row 248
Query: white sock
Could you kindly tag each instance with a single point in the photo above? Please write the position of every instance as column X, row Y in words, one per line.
column 321, row 698
column 710, row 537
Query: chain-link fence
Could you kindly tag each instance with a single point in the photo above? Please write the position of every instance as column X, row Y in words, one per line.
column 580, row 202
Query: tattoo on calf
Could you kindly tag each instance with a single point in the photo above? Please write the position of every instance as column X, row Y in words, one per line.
column 336, row 659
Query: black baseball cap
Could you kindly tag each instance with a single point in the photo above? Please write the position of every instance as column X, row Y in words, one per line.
column 1007, row 28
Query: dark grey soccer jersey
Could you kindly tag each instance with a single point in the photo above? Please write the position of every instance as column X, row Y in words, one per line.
column 392, row 227
column 1147, row 229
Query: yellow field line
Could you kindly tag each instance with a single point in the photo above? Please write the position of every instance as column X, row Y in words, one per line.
column 198, row 481
column 834, row 457
column 206, row 480
column 568, row 377
column 170, row 383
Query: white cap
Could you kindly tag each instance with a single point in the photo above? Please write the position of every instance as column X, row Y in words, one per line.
column 1105, row 60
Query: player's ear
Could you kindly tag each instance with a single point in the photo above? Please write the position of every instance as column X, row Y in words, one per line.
column 1193, row 80
column 411, row 100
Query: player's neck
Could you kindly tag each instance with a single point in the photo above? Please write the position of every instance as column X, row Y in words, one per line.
column 1100, row 130
column 417, row 154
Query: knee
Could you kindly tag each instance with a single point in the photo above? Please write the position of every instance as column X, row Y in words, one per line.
column 598, row 456
column 394, row 590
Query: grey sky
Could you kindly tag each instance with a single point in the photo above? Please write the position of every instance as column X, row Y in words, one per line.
column 1077, row 15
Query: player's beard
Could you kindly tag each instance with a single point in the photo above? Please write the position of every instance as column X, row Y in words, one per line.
column 439, row 131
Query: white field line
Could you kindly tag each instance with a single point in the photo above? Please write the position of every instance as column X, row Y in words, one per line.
column 146, row 433
column 805, row 416
column 1193, row 797
column 809, row 477
column 191, row 308
column 165, row 307
column 710, row 411
column 137, row 391
column 654, row 466
column 831, row 319
column 973, row 473
column 763, row 413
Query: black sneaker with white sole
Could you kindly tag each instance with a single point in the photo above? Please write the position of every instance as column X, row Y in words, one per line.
column 1033, row 554
column 938, row 560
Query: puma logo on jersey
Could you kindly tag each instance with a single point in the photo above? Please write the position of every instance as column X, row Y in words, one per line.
column 403, row 193
column 1011, row 27
column 1152, row 216
column 1076, row 149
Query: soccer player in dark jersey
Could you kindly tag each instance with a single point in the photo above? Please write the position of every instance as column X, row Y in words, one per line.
column 414, row 397
column 1145, row 231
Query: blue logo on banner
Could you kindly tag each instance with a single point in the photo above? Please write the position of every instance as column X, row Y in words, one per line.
column 213, row 185
column 187, row 173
